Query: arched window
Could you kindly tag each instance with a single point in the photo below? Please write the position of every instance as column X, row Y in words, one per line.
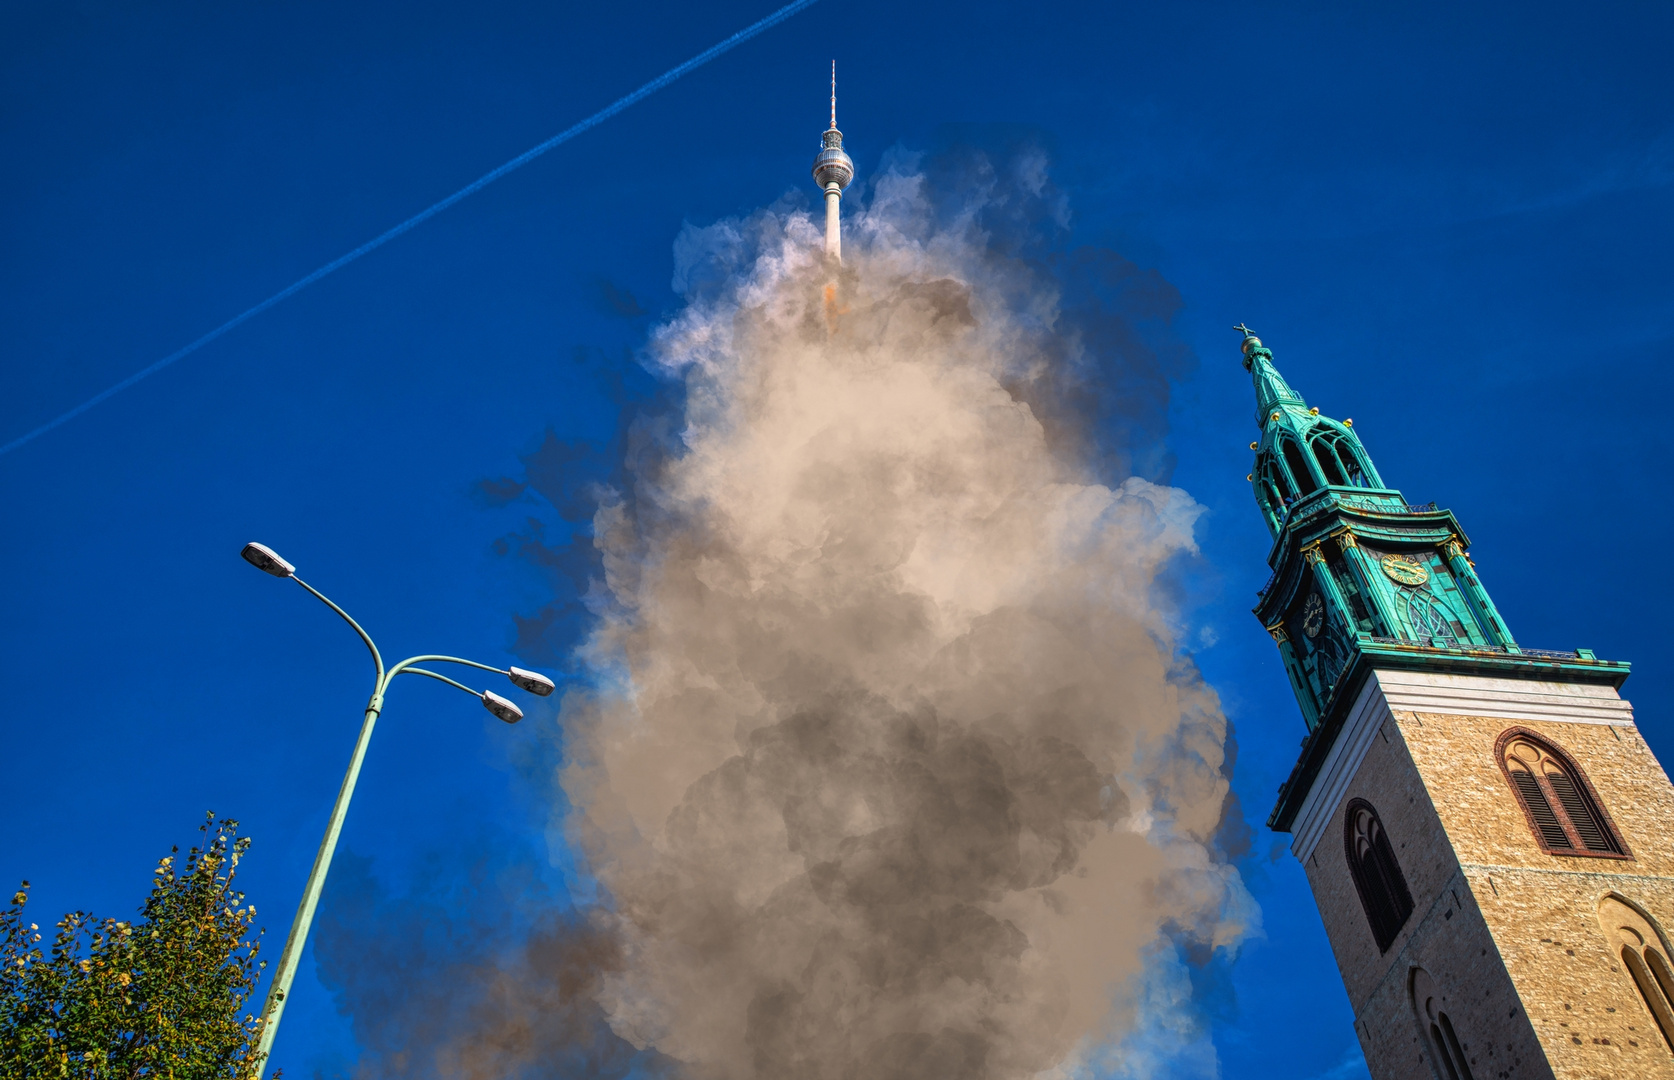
column 1638, row 940
column 1326, row 454
column 1377, row 876
column 1564, row 812
column 1335, row 454
column 1272, row 478
column 1429, row 620
column 1429, row 1008
column 1352, row 468
column 1299, row 474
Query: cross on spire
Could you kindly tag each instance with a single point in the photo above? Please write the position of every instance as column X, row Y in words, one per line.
column 1241, row 328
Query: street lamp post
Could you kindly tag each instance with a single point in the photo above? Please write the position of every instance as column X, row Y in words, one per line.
column 266, row 559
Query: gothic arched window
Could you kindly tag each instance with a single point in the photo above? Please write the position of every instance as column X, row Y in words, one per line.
column 1271, row 483
column 1564, row 812
column 1353, row 467
column 1430, row 620
column 1377, row 876
column 1639, row 942
column 1429, row 1007
column 1326, row 454
column 1298, row 466
column 1338, row 462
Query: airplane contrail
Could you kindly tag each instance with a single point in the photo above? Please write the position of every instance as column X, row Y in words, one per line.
column 428, row 212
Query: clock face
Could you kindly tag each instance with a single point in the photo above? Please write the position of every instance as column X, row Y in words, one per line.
column 1313, row 615
column 1405, row 570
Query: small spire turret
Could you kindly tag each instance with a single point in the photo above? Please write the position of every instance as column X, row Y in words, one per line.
column 1271, row 389
column 1300, row 451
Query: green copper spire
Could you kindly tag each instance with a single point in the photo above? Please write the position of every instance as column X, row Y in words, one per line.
column 1362, row 579
column 1300, row 451
column 1270, row 387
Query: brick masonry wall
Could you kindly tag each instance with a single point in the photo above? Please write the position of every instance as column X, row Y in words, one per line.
column 1543, row 909
column 1509, row 934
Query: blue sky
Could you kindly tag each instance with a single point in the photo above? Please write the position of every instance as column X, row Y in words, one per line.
column 1449, row 224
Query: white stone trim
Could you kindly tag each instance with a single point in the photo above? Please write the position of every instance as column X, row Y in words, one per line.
column 1432, row 692
column 1512, row 699
column 1359, row 729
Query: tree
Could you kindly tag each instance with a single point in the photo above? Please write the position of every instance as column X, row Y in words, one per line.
column 162, row 997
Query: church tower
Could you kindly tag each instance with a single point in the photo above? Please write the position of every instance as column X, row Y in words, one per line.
column 1486, row 834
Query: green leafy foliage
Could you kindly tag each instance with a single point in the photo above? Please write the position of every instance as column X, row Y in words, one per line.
column 164, row 996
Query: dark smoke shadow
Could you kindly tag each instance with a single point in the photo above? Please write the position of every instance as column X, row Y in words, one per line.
column 619, row 300
column 568, row 479
column 1119, row 354
column 479, row 970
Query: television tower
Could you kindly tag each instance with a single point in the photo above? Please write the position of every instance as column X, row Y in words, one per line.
column 833, row 169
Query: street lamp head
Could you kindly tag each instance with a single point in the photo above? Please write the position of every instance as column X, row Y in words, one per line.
column 266, row 559
column 532, row 681
column 500, row 707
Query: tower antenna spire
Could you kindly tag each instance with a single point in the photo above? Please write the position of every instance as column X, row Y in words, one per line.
column 833, row 169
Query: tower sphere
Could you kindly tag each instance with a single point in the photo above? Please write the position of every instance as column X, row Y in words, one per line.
column 832, row 165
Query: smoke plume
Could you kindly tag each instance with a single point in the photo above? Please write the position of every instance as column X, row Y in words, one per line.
column 888, row 760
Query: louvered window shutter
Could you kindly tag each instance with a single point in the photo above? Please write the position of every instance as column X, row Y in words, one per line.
column 1587, row 826
column 1551, row 832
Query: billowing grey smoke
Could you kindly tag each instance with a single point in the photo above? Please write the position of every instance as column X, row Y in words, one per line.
column 890, row 767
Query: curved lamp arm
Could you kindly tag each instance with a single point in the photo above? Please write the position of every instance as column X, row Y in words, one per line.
column 433, row 675
column 504, row 708
column 437, row 659
column 364, row 636
column 532, row 681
